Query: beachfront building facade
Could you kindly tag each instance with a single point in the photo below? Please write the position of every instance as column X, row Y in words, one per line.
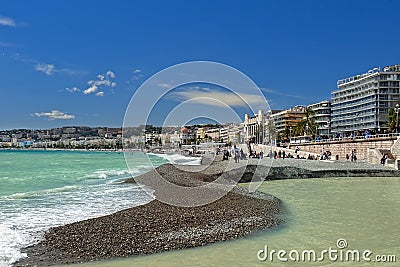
column 254, row 127
column 322, row 116
column 201, row 133
column 185, row 136
column 213, row 134
column 287, row 120
column 362, row 102
column 258, row 128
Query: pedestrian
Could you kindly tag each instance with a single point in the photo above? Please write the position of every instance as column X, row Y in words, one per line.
column 283, row 154
column 353, row 155
column 236, row 156
column 383, row 159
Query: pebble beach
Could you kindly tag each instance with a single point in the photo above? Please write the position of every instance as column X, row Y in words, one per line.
column 156, row 226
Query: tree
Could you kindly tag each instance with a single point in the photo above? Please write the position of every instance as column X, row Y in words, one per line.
column 271, row 130
column 307, row 125
column 392, row 120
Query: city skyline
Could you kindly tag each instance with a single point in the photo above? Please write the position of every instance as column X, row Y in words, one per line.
column 80, row 63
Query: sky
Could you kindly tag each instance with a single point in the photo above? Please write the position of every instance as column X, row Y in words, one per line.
column 74, row 62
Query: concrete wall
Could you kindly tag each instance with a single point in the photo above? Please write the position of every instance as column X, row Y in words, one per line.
column 343, row 147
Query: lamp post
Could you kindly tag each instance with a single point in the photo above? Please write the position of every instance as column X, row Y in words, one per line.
column 397, row 109
column 355, row 121
column 328, row 124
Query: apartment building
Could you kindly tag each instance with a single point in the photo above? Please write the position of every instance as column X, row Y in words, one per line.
column 322, row 117
column 362, row 102
column 288, row 119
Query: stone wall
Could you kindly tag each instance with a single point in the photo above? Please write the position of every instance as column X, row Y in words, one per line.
column 340, row 148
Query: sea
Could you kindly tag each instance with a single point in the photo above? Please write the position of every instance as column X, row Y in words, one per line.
column 43, row 189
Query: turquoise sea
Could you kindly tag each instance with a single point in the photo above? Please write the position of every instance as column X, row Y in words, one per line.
column 41, row 189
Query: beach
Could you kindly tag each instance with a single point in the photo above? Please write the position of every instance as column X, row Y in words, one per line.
column 158, row 227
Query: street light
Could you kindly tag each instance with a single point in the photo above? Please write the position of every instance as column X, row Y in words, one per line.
column 397, row 109
column 355, row 121
column 328, row 125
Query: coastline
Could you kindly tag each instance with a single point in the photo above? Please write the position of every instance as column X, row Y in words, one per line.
column 156, row 227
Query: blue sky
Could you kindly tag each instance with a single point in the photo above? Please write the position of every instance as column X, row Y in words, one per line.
column 80, row 62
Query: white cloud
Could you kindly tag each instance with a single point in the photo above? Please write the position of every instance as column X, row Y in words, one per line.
column 103, row 80
column 110, row 74
column 164, row 85
column 215, row 98
column 91, row 89
column 271, row 91
column 54, row 115
column 47, row 69
column 73, row 89
column 4, row 21
column 137, row 71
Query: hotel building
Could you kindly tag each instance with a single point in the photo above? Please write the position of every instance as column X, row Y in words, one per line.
column 322, row 116
column 362, row 102
column 254, row 127
column 288, row 119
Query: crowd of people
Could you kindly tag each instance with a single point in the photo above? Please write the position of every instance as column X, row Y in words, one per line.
column 238, row 154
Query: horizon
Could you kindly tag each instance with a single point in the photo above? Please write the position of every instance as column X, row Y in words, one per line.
column 59, row 70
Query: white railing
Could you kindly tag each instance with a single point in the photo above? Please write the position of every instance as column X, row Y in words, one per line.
column 347, row 138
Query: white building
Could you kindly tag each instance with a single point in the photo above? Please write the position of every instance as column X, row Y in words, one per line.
column 362, row 102
column 322, row 115
column 254, row 127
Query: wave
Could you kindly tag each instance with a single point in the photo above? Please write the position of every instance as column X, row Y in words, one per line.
column 49, row 191
column 10, row 243
column 179, row 159
column 104, row 174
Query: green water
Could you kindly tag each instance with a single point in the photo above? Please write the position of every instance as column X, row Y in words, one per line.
column 42, row 189
column 364, row 211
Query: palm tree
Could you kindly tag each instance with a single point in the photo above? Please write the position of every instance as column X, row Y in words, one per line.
column 271, row 130
column 307, row 125
column 392, row 120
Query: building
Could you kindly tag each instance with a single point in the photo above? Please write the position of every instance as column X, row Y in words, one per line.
column 254, row 127
column 201, row 133
column 224, row 134
column 213, row 134
column 323, row 116
column 230, row 133
column 151, row 138
column 362, row 102
column 185, row 135
column 288, row 119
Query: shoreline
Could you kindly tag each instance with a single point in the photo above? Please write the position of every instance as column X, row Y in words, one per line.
column 157, row 227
